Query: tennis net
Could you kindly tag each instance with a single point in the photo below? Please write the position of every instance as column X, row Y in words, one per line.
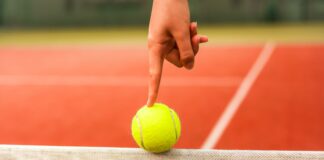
column 21, row 152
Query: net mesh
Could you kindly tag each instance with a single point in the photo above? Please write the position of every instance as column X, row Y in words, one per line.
column 19, row 152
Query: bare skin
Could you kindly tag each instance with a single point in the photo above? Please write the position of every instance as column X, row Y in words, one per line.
column 171, row 37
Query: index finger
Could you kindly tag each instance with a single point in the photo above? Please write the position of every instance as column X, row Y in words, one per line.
column 156, row 59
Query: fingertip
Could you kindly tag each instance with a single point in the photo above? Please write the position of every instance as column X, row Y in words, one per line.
column 195, row 24
column 203, row 39
column 188, row 62
column 150, row 101
column 149, row 104
column 193, row 28
column 179, row 65
column 189, row 65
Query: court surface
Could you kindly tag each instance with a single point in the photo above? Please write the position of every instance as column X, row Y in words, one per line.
column 265, row 95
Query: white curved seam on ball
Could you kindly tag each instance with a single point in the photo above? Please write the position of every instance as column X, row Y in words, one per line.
column 174, row 124
column 141, row 131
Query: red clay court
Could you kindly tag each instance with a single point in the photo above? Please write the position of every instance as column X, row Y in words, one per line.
column 243, row 96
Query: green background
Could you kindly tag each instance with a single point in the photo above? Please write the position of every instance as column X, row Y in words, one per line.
column 25, row 13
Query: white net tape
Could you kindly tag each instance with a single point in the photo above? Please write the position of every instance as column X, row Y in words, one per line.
column 20, row 152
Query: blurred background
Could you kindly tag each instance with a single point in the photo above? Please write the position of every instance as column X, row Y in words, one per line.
column 223, row 20
column 74, row 72
column 46, row 13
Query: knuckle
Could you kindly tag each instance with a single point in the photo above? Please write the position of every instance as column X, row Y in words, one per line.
column 179, row 65
column 187, row 57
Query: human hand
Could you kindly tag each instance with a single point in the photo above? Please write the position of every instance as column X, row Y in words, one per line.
column 171, row 37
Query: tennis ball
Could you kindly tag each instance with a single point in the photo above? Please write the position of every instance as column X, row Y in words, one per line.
column 156, row 128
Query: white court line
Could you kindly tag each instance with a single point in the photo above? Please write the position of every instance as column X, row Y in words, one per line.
column 219, row 128
column 50, row 80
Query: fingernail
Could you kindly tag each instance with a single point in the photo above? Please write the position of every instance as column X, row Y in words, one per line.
column 195, row 24
column 189, row 65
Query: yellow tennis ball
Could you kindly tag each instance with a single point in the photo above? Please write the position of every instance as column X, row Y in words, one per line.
column 157, row 128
